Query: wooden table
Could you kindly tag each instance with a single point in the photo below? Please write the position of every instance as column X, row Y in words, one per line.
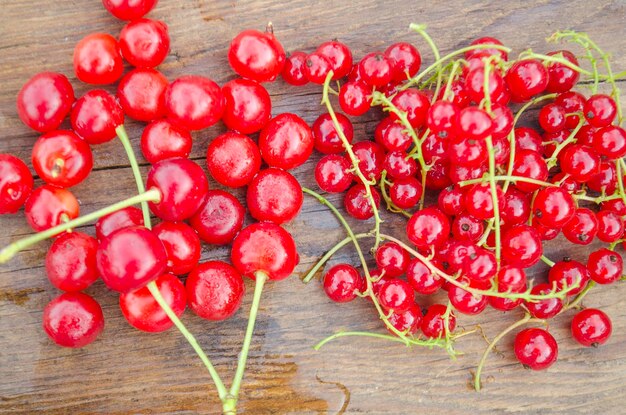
column 126, row 371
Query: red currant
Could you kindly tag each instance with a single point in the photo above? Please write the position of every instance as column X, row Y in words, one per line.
column 591, row 327
column 71, row 261
column 535, row 348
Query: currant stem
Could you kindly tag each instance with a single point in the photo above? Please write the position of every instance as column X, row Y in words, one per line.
column 421, row 30
column 426, row 343
column 390, row 205
column 123, row 137
column 152, row 195
column 547, row 261
column 320, row 263
column 580, row 296
column 509, row 178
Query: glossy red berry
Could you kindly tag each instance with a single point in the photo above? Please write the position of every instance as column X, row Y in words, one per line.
column 605, row 266
column 247, row 106
column 358, row 205
column 371, row 158
column 465, row 302
column 528, row 139
column 219, row 219
column 274, row 195
column 591, row 327
column 553, row 207
column 580, row 162
column 327, row 140
column 392, row 135
column 130, row 258
column 475, row 123
column 182, row 246
column 332, row 173
column 142, row 311
column 521, row 245
column 567, row 274
column 562, row 78
column 475, row 86
column 428, row 228
column 544, row 309
column 535, row 348
column 610, row 226
column 573, row 103
column 293, row 71
column 443, row 119
column 16, row 183
column 61, row 158
column 552, row 118
column 515, row 208
column 392, row 259
column 342, row 282
column 354, row 98
column 339, row 56
column 95, row 116
column 582, row 228
column 145, row 43
column 408, row 321
column 194, row 102
column 406, row 193
column 286, row 141
column 71, row 261
column 73, row 320
column 434, row 323
column 450, row 200
column 123, row 218
column 376, row 69
column 479, row 201
column 316, row 67
column 529, row 164
column 466, row 227
column 605, row 179
column 45, row 100
column 610, row 142
column 415, row 104
column 49, row 206
column 257, row 55
column 97, row 59
column 233, row 159
column 486, row 40
column 397, row 295
column 129, row 9
column 163, row 140
column 405, row 60
column 527, row 78
column 215, row 290
column 600, row 110
column 141, row 93
column 422, row 279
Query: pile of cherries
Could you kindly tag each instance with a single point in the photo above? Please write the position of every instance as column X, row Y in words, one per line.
column 450, row 130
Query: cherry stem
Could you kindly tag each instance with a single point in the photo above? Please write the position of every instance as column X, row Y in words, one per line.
column 427, row 343
column 231, row 401
column 526, row 320
column 123, row 137
column 320, row 263
column 152, row 195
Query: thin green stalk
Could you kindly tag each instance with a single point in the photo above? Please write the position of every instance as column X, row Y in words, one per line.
column 426, row 343
column 421, row 30
column 547, row 261
column 309, row 276
column 580, row 296
column 123, row 137
column 508, row 178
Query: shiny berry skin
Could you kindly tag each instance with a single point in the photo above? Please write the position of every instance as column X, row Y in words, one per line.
column 610, row 142
column 130, row 258
column 521, row 245
column 528, row 139
column 316, row 67
column 582, row 228
column 265, row 247
column 354, row 98
column 145, row 43
column 342, row 282
column 567, row 273
column 256, row 55
column 97, row 59
column 458, row 173
column 479, row 201
column 600, row 110
column 391, row 135
column 422, row 279
column 71, row 261
column 428, row 228
column 552, row 118
column 605, row 179
column 194, row 102
column 443, row 118
column 163, row 140
column 475, row 123
column 141, row 93
column 392, row 258
column 560, row 77
column 547, row 308
column 73, row 320
column 247, row 106
column 466, row 227
column 408, row 321
column 293, row 71
column 465, row 302
column 475, row 86
column 358, row 205
column 332, row 173
column 327, row 141
column 615, row 205
column 49, row 206
column 215, row 290
column 515, row 208
column 605, row 266
column 434, row 323
column 129, row 9
column 233, row 159
column 610, row 226
column 467, row 152
column 529, row 164
column 219, row 219
column 580, row 162
column 16, row 183
column 123, row 218
column 286, row 141
column 553, row 207
column 376, row 69
column 502, row 127
column 526, row 78
column 406, row 193
column 510, row 280
column 572, row 102
column 274, row 195
column 591, row 327
column 182, row 246
column 488, row 51
column 535, row 348
column 44, row 101
column 371, row 158
column 396, row 295
column 142, row 311
column 405, row 60
column 95, row 116
column 415, row 104
column 339, row 57
column 183, row 186
column 450, row 200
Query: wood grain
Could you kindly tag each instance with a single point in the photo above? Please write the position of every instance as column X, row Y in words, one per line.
column 126, row 371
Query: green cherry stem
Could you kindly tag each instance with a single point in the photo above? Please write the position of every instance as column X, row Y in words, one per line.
column 421, row 30
column 123, row 137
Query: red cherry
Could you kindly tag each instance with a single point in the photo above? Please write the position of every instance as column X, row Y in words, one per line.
column 16, row 183
column 327, row 140
column 286, row 141
column 163, row 140
column 97, row 59
column 45, row 100
column 71, row 261
column 428, row 228
column 181, row 244
column 396, row 295
column 486, row 52
column 61, row 158
column 610, row 226
column 49, row 206
column 264, row 247
column 600, row 110
column 434, row 324
column 406, row 193
column 339, row 56
column 408, row 321
column 215, row 290
column 130, row 258
column 553, row 207
column 415, row 104
column 129, row 9
column 535, row 348
column 527, row 78
column 256, row 55
column 422, row 279
column 141, row 93
column 567, row 273
column 521, row 245
column 194, row 102
column 247, row 106
column 316, row 67
column 123, row 218
column 392, row 259
column 591, row 327
column 547, row 308
column 274, row 195
column 219, row 219
column 73, row 320
column 145, row 43
column 357, row 204
column 342, row 282
column 183, row 186
column 293, row 71
column 560, row 77
column 354, row 98
column 142, row 311
column 233, row 159
column 529, row 164
column 96, row 115
column 605, row 266
column 332, row 173
column 582, row 228
column 405, row 60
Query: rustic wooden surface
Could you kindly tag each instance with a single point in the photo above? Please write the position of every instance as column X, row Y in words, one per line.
column 126, row 371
